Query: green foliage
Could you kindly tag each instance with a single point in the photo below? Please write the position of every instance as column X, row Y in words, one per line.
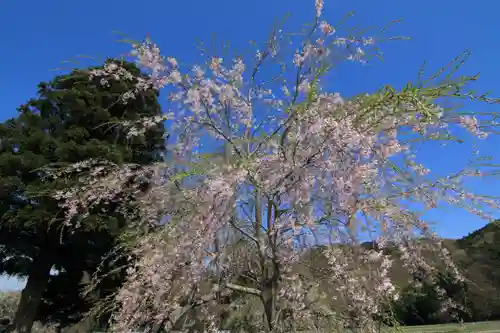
column 8, row 303
column 72, row 119
column 479, row 296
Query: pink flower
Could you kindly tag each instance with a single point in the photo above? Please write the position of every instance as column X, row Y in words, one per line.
column 319, row 7
column 326, row 28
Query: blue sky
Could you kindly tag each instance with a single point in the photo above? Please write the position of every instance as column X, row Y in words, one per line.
column 38, row 35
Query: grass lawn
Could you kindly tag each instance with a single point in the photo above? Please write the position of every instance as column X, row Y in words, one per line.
column 480, row 327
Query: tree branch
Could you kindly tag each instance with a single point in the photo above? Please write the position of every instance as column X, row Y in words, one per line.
column 247, row 290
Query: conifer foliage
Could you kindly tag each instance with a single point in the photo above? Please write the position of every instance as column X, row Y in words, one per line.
column 73, row 118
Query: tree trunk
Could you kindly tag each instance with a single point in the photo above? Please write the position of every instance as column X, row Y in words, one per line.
column 31, row 295
column 269, row 301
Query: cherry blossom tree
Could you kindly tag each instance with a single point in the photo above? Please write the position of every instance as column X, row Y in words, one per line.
column 300, row 168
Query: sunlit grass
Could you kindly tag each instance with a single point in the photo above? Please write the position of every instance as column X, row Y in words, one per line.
column 479, row 327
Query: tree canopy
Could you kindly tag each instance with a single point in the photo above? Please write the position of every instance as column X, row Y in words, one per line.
column 72, row 119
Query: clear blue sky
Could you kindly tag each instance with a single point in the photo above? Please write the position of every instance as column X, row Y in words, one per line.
column 37, row 35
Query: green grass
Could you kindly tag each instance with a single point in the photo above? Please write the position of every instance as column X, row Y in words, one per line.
column 480, row 327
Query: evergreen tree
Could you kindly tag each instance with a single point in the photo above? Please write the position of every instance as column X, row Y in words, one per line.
column 72, row 119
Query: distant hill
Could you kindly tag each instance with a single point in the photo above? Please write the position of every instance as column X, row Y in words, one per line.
column 478, row 256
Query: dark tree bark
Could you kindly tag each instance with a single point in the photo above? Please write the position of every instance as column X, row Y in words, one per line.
column 31, row 295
